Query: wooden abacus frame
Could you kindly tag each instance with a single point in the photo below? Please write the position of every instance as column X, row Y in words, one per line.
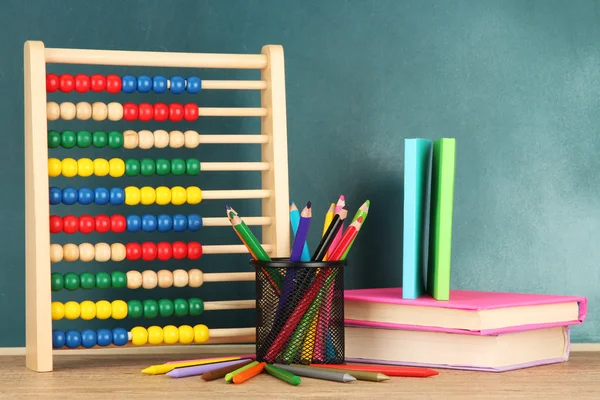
column 273, row 141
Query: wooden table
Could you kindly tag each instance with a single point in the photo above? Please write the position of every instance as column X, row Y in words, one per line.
column 110, row 377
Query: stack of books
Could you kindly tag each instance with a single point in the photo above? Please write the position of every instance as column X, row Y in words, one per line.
column 425, row 323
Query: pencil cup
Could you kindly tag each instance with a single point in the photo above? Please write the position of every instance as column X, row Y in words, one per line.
column 299, row 311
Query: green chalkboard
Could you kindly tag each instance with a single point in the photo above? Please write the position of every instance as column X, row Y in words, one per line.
column 517, row 83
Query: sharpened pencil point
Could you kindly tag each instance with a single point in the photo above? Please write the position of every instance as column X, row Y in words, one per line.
column 368, row 202
column 228, row 207
column 308, row 204
column 342, row 198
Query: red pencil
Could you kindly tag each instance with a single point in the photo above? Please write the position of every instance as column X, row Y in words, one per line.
column 347, row 238
column 385, row 369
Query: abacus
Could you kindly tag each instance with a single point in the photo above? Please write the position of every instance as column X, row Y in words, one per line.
column 40, row 168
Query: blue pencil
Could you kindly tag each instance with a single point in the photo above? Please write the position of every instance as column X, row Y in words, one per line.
column 295, row 222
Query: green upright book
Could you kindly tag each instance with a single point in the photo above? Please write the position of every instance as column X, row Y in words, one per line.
column 440, row 232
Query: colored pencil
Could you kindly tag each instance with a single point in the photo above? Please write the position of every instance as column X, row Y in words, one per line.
column 389, row 370
column 359, row 375
column 283, row 375
column 340, row 204
column 317, row 373
column 221, row 372
column 347, row 239
column 248, row 237
column 196, row 370
column 328, row 217
column 241, row 356
column 249, row 373
column 295, row 222
column 301, row 233
column 164, row 368
column 327, row 240
column 230, row 375
column 363, row 211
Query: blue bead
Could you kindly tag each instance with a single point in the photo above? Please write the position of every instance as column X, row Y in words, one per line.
column 179, row 222
column 73, row 339
column 134, row 223
column 144, row 84
column 101, row 195
column 128, row 84
column 69, row 196
column 58, row 339
column 120, row 337
column 117, row 196
column 55, row 196
column 194, row 85
column 177, row 84
column 88, row 338
column 104, row 337
column 194, row 222
column 149, row 223
column 165, row 223
column 159, row 84
column 85, row 196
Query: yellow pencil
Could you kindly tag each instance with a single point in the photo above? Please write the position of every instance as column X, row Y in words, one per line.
column 164, row 368
column 328, row 218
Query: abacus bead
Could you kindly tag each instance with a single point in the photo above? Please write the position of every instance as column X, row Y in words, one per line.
column 88, row 310
column 85, row 196
column 102, row 252
column 134, row 279
column 186, row 334
column 55, row 195
column 67, row 111
column 194, row 250
column 149, row 279
column 155, row 335
column 117, row 252
column 69, row 167
column 88, row 338
column 177, row 85
column 117, row 196
column 85, row 167
column 84, row 139
column 104, row 337
column 102, row 223
column 56, row 253
column 148, row 196
column 68, row 139
column 191, row 139
column 194, row 222
column 163, row 167
column 118, row 279
column 150, row 309
column 115, row 139
column 149, row 251
column 128, row 84
column 164, row 251
column 87, row 224
column 195, row 278
column 165, row 278
column 113, row 83
column 149, row 223
column 178, row 195
column 181, row 307
column 118, row 223
column 192, row 166
column 161, row 112
column 52, row 83
column 159, row 84
column 146, row 139
column 70, row 252
column 194, row 85
column 119, row 309
column 147, row 166
column 130, row 111
column 139, row 336
column 132, row 167
column 130, row 139
column 163, row 195
column 193, row 195
column 57, row 310
column 196, row 306
column 99, row 139
column 82, row 83
column 179, row 222
column 101, row 168
column 72, row 310
column 83, row 111
column 165, row 308
column 180, row 278
column 73, row 339
column 176, row 139
column 69, row 196
column 201, row 333
column 52, row 111
column 53, row 139
column 66, row 83
column 99, row 111
column 115, row 111
column 164, row 223
column 97, row 83
column 175, row 112
column 57, row 281
column 87, row 280
column 144, row 84
column 177, row 166
column 135, row 309
column 87, row 252
column 54, row 167
column 161, row 139
column 145, row 112
column 133, row 251
column 190, row 112
column 120, row 337
column 171, row 334
column 102, row 280
column 70, row 224
column 132, row 195
column 134, row 223
column 58, row 339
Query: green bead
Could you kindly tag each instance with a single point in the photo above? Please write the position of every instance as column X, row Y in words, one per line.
column 163, row 167
column 84, row 139
column 165, row 307
column 177, row 166
column 102, row 280
column 87, row 280
column 181, row 307
column 147, row 166
column 132, row 167
column 68, row 139
column 115, row 140
column 196, row 306
column 53, row 139
column 57, row 281
column 192, row 166
column 99, row 139
column 150, row 308
column 135, row 309
column 118, row 279
column 71, row 281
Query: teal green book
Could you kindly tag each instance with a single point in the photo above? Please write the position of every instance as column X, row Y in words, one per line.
column 440, row 231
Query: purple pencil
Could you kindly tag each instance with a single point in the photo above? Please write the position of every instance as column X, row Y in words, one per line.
column 301, row 233
column 201, row 369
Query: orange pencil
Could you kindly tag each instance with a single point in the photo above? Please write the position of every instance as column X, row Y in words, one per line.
column 249, row 373
column 388, row 370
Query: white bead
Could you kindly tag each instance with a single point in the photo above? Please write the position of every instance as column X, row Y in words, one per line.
column 146, row 139
column 115, row 111
column 134, row 279
column 180, row 278
column 195, row 278
column 99, row 111
column 130, row 139
column 102, row 252
column 176, row 139
column 192, row 139
column 67, row 111
column 161, row 139
column 84, row 110
column 117, row 252
column 52, row 111
column 56, row 253
column 86, row 252
column 149, row 279
column 70, row 252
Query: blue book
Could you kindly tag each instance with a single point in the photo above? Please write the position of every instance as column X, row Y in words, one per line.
column 417, row 183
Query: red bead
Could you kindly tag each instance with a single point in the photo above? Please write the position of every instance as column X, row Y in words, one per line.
column 97, row 83
column 179, row 250
column 102, row 223
column 146, row 112
column 118, row 223
column 194, row 250
column 56, row 224
column 87, row 224
column 149, row 251
column 130, row 112
column 66, row 83
column 70, row 224
column 190, row 112
column 133, row 251
column 164, row 251
column 82, row 83
column 175, row 112
column 113, row 83
column 52, row 83
column 161, row 112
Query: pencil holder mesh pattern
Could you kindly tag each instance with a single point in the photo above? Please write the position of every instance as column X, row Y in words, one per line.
column 300, row 312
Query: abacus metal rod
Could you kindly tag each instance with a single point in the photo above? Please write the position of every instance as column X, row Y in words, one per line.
column 229, row 276
column 229, row 139
column 229, row 305
column 232, row 112
column 224, row 221
column 235, row 166
column 231, row 249
column 234, row 85
column 236, row 194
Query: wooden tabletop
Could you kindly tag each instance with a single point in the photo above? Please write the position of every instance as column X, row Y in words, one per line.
column 110, row 377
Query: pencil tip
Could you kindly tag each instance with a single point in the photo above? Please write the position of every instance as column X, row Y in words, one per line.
column 342, row 198
column 308, row 204
column 368, row 203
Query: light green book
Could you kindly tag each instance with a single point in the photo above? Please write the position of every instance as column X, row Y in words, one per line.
column 440, row 231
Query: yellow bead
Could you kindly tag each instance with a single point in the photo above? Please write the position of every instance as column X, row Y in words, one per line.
column 72, row 310
column 163, row 195
column 88, row 310
column 171, row 334
column 200, row 333
column 117, row 167
column 85, row 167
column 186, row 334
column 178, row 195
column 132, row 195
column 155, row 335
column 148, row 195
column 194, row 195
column 103, row 309
column 54, row 167
column 119, row 309
column 139, row 336
column 69, row 167
column 58, row 310
column 101, row 167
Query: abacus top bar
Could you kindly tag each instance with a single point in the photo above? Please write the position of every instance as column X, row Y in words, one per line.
column 155, row 59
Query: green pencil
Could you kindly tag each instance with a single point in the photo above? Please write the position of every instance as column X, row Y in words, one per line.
column 363, row 211
column 248, row 237
column 229, row 376
column 285, row 376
